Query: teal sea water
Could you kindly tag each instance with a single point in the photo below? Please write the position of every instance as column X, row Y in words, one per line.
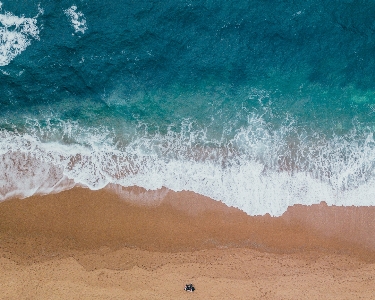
column 259, row 104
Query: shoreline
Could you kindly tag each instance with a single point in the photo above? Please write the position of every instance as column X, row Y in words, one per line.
column 188, row 235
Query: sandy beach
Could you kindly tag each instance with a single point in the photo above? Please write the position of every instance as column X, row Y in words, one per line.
column 149, row 145
column 82, row 244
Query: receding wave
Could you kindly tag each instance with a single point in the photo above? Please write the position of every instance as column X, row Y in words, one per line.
column 259, row 170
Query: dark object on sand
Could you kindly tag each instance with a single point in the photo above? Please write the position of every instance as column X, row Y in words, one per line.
column 189, row 288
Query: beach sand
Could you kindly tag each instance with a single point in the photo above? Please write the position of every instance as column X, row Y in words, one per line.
column 82, row 244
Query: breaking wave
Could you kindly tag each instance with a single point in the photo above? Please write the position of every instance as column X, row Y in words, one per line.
column 258, row 170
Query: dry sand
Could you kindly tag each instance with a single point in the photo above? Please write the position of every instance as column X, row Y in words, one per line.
column 81, row 244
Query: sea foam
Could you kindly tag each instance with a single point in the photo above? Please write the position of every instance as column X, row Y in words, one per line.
column 77, row 19
column 16, row 34
column 247, row 172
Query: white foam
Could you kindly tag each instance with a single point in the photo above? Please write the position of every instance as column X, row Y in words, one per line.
column 16, row 34
column 77, row 19
column 246, row 173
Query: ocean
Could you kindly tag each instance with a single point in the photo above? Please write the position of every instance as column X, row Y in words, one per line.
column 258, row 104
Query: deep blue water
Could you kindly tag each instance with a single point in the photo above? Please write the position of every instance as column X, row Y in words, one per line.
column 259, row 104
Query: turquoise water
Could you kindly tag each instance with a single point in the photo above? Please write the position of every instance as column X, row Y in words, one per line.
column 259, row 104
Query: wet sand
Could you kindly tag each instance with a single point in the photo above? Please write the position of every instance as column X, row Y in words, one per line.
column 82, row 244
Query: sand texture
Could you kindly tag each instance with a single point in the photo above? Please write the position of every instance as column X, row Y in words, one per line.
column 82, row 244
